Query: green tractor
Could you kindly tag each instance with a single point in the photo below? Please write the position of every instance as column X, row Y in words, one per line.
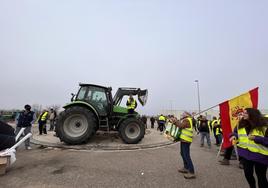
column 93, row 108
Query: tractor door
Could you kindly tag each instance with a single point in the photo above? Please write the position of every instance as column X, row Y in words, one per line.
column 96, row 96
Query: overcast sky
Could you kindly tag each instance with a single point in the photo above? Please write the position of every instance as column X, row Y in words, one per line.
column 47, row 47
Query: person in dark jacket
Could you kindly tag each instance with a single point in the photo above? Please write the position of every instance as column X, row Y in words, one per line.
column 152, row 119
column 25, row 120
column 144, row 120
column 204, row 131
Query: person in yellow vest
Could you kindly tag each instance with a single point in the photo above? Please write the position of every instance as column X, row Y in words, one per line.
column 131, row 104
column 218, row 132
column 214, row 124
column 186, row 138
column 161, row 123
column 42, row 120
column 252, row 146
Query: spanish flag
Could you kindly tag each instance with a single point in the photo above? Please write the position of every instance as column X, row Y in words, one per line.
column 229, row 111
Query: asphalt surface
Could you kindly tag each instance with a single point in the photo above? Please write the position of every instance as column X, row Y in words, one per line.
column 53, row 167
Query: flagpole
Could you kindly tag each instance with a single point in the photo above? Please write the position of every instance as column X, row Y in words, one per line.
column 219, row 103
column 220, row 149
column 206, row 109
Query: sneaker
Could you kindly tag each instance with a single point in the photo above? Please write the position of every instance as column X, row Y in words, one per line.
column 241, row 166
column 183, row 170
column 202, row 145
column 28, row 148
column 225, row 162
column 189, row 176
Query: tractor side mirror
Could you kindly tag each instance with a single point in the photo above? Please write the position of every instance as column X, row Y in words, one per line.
column 72, row 97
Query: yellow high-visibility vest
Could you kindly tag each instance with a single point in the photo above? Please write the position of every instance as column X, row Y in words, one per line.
column 218, row 131
column 131, row 104
column 215, row 121
column 187, row 133
column 44, row 116
column 162, row 118
column 246, row 143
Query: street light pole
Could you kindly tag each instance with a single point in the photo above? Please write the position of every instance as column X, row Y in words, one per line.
column 197, row 85
column 171, row 107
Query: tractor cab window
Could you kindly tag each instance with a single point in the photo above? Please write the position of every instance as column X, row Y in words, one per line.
column 84, row 94
column 81, row 93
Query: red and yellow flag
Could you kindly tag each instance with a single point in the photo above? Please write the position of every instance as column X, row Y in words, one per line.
column 229, row 111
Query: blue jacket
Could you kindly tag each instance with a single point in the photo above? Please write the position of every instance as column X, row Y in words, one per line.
column 25, row 119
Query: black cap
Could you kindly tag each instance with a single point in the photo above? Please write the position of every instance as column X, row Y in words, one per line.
column 27, row 107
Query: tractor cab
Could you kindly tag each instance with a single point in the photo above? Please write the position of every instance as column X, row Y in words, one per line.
column 98, row 97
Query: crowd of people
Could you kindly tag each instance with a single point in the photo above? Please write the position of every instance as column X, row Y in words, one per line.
column 27, row 118
column 249, row 138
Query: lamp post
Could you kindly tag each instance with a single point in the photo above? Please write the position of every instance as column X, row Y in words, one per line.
column 198, row 95
column 171, row 107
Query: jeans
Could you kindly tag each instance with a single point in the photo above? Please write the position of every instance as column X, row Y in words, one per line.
column 42, row 127
column 203, row 135
column 228, row 152
column 218, row 139
column 52, row 125
column 152, row 125
column 26, row 131
column 185, row 154
column 260, row 170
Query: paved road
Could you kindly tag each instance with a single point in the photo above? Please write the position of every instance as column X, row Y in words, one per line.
column 68, row 168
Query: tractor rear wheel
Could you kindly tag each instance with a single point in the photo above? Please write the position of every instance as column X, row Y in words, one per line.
column 132, row 131
column 76, row 125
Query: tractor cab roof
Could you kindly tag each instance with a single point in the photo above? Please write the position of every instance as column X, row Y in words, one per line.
column 94, row 85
